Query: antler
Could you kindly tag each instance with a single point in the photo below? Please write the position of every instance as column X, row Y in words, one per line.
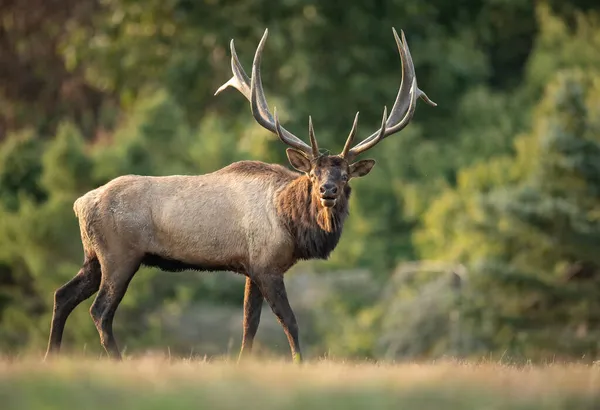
column 403, row 109
column 252, row 89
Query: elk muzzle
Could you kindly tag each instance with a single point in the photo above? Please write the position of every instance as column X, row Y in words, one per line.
column 328, row 193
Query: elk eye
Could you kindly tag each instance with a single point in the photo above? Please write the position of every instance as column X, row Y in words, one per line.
column 345, row 177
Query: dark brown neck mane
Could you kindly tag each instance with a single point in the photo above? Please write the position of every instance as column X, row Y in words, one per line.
column 316, row 230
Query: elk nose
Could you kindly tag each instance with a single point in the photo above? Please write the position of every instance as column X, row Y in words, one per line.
column 328, row 188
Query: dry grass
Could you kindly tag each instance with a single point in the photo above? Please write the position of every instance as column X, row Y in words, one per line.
column 156, row 383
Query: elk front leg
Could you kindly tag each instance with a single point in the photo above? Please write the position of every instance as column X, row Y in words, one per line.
column 253, row 300
column 273, row 290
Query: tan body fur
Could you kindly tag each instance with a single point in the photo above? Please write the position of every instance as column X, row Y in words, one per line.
column 224, row 220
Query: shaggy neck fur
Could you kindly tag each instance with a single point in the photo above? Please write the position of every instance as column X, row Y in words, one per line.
column 316, row 230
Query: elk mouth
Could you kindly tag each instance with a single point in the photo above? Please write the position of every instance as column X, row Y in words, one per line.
column 328, row 202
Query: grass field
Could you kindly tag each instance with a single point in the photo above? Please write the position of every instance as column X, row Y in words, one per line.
column 156, row 383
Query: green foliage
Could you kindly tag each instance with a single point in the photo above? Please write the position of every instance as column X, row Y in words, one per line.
column 20, row 170
column 558, row 46
column 531, row 235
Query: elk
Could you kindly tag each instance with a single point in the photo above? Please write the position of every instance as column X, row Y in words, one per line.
column 250, row 217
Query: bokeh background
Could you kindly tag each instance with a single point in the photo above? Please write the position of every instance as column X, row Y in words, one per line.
column 476, row 235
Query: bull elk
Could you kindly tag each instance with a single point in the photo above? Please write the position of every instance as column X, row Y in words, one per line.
column 250, row 217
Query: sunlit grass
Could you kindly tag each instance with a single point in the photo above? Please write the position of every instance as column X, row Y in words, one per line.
column 161, row 383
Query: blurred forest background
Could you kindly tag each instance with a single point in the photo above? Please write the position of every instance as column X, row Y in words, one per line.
column 477, row 233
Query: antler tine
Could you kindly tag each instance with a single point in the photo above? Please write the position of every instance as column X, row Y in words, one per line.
column 313, row 139
column 350, row 139
column 419, row 93
column 278, row 128
column 405, row 104
column 383, row 128
column 260, row 108
column 252, row 89
column 384, row 131
column 240, row 80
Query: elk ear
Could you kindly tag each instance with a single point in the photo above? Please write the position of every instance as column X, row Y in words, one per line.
column 298, row 159
column 361, row 168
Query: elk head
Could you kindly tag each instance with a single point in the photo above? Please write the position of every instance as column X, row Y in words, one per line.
column 329, row 174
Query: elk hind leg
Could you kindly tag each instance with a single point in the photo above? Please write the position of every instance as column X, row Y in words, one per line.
column 115, row 280
column 69, row 296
